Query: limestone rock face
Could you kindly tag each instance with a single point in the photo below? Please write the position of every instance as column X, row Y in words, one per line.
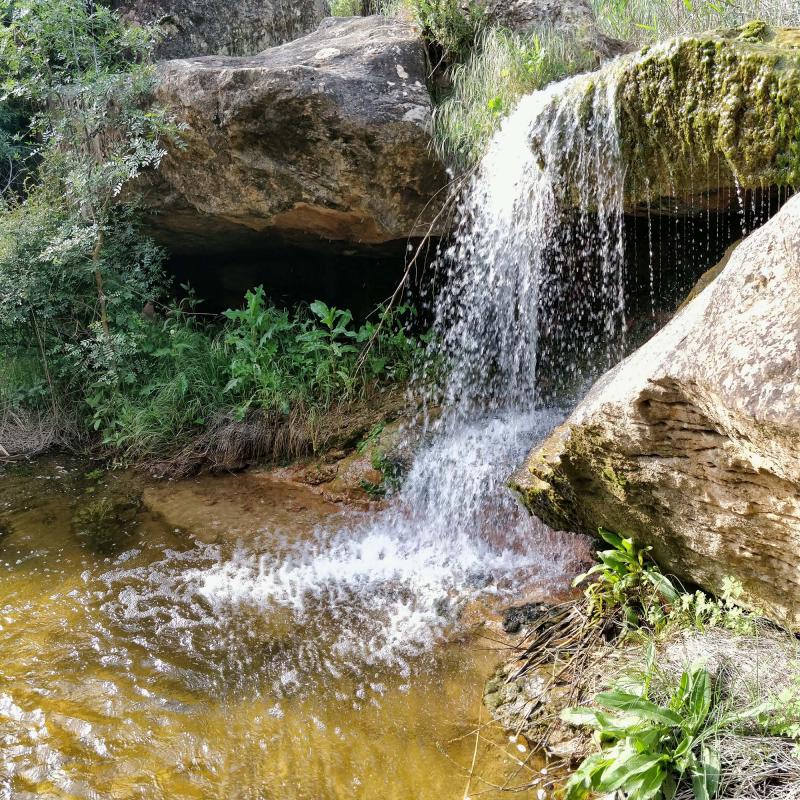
column 215, row 27
column 325, row 138
column 570, row 17
column 692, row 444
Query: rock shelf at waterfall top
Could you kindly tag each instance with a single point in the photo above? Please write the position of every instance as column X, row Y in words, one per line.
column 704, row 113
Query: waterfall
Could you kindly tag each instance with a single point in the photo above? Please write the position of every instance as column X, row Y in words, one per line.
column 544, row 210
column 545, row 206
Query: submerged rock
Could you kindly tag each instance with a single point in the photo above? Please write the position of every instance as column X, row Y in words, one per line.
column 211, row 27
column 692, row 444
column 325, row 138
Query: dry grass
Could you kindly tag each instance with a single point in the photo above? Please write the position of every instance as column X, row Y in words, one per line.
column 228, row 444
column 644, row 21
column 564, row 660
column 25, row 434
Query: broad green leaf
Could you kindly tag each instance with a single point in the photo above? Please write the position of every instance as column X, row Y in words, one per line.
column 699, row 787
column 700, row 696
column 646, row 785
column 638, row 706
column 579, row 717
column 614, row 539
column 664, row 586
column 625, row 768
column 710, row 762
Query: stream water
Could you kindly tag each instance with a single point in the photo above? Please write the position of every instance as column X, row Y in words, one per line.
column 264, row 656
column 241, row 639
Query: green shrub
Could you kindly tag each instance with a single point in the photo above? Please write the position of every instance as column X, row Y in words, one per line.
column 451, row 25
column 346, row 8
column 628, row 583
column 280, row 360
column 165, row 378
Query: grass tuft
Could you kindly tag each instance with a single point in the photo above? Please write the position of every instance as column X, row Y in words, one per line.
column 646, row 21
column 503, row 67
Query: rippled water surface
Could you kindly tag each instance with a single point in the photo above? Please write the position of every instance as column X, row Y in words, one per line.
column 287, row 650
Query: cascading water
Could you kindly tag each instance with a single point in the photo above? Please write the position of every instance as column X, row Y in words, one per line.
column 545, row 208
column 454, row 530
column 294, row 664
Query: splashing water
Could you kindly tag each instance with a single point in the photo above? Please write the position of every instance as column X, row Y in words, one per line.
column 367, row 591
column 544, row 211
column 454, row 530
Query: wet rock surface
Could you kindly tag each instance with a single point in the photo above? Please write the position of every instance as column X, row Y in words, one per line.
column 323, row 139
column 692, row 444
column 699, row 118
column 237, row 507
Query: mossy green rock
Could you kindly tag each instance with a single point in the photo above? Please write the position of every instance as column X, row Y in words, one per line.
column 705, row 110
column 708, row 112
column 692, row 444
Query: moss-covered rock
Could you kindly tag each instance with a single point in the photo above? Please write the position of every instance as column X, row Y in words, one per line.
column 705, row 112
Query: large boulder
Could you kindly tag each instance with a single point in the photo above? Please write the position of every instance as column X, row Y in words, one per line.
column 212, row 27
column 692, row 444
column 325, row 138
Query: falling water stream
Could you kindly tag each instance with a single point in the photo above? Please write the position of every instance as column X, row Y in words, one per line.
column 289, row 649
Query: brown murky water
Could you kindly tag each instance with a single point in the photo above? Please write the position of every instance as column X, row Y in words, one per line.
column 125, row 672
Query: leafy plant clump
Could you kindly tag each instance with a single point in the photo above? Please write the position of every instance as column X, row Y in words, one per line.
column 627, row 585
column 279, row 359
column 92, row 347
column 346, row 8
column 450, row 26
column 627, row 588
column 700, row 733
column 180, row 373
column 649, row 750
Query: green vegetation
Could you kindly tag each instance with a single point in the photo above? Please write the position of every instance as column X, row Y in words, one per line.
column 659, row 733
column 92, row 347
column 489, row 69
column 453, row 26
column 627, row 582
column 450, row 26
column 503, row 67
column 645, row 21
column 649, row 749
column 346, row 8
column 628, row 587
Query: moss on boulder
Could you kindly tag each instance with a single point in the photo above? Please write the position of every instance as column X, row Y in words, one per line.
column 701, row 113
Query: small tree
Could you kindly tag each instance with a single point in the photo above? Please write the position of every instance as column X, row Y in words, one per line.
column 87, row 79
